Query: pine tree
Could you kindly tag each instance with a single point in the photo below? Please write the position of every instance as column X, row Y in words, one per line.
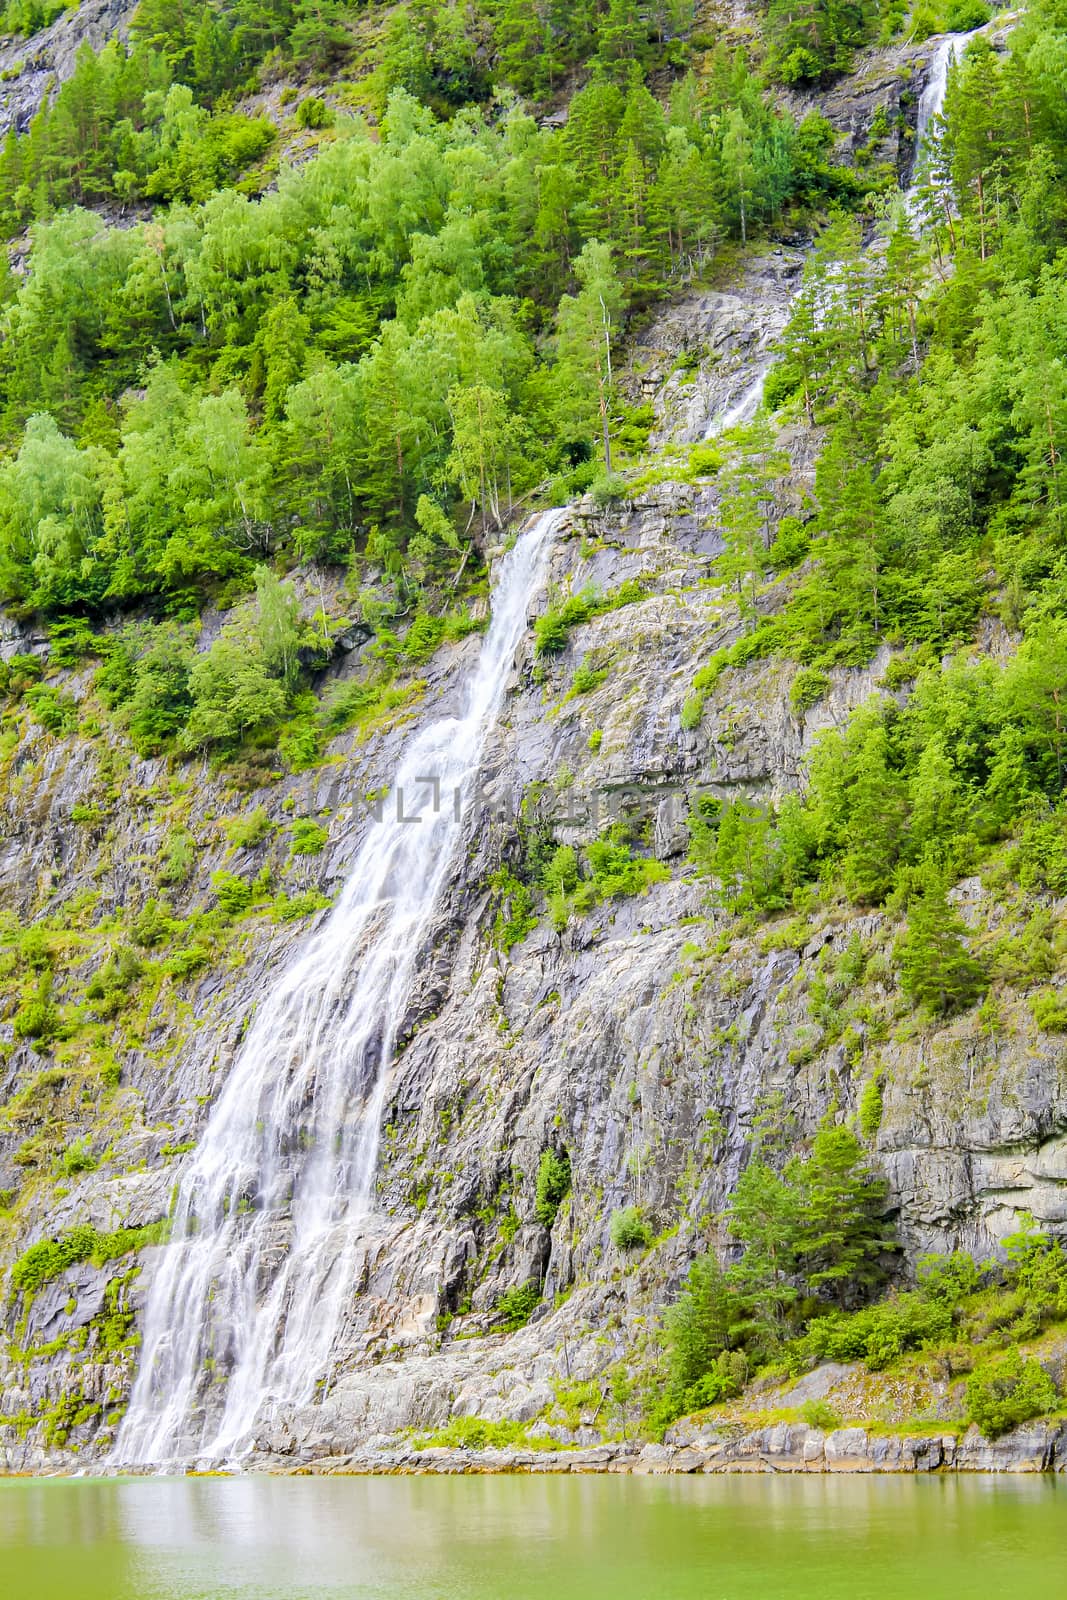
column 877, row 821
column 698, row 1324
column 843, row 1232
column 936, row 967
column 766, row 1219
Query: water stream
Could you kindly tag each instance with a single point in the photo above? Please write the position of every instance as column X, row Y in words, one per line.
column 246, row 1303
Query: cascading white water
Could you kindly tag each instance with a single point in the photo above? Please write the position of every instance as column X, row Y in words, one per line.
column 744, row 406
column 931, row 103
column 248, row 1298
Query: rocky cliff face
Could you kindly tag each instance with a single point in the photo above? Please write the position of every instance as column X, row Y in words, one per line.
column 31, row 68
column 645, row 1039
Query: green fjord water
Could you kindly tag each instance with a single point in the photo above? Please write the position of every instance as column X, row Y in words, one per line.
column 514, row 1538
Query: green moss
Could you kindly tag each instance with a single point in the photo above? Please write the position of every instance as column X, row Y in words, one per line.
column 46, row 1259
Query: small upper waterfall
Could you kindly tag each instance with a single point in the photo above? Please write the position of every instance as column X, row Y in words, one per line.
column 744, row 405
column 931, row 102
column 248, row 1298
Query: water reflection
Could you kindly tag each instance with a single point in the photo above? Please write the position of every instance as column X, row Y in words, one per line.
column 530, row 1538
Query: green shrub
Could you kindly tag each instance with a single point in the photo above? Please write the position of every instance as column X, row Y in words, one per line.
column 70, row 640
column 963, row 16
column 629, row 1230
column 608, row 489
column 55, row 711
column 153, row 925
column 515, row 916
column 870, row 1108
column 85, row 815
column 313, row 112
column 290, row 908
column 692, row 712
column 553, row 1185
column 38, row 1016
column 1049, row 1010
column 244, row 833
column 35, row 948
column 77, row 1157
column 809, row 687
column 116, row 976
column 697, row 1327
column 705, row 460
column 47, row 1258
column 552, row 629
column 516, row 1306
column 179, row 853
column 586, row 678
column 474, row 1433
column 616, row 872
column 183, row 963
column 820, row 1414
column 878, row 1334
column 235, row 894
column 307, row 838
column 1008, row 1390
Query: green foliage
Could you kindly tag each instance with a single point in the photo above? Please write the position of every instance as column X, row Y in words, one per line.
column 153, row 925
column 244, row 833
column 38, row 1016
column 1049, row 1010
column 475, row 1433
column 878, row 1335
column 870, row 1108
column 193, row 393
column 692, row 712
column 629, row 1230
column 307, row 838
column 808, row 688
column 553, row 1185
column 936, row 968
column 1008, row 1390
column 234, row 894
column 47, row 1258
column 699, row 1325
column 312, row 112
column 515, row 915
column 815, row 1228
column 516, row 1306
column 78, row 1157
column 178, row 856
column 291, row 908
column 586, row 678
column 820, row 1414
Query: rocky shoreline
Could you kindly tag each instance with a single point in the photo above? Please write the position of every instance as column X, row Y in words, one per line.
column 780, row 1447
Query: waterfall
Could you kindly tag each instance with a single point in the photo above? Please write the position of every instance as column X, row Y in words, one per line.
column 743, row 406
column 248, row 1298
column 931, row 102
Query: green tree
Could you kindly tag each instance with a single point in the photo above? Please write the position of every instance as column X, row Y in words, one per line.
column 936, row 967
column 587, row 323
column 843, row 1204
column 699, row 1325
